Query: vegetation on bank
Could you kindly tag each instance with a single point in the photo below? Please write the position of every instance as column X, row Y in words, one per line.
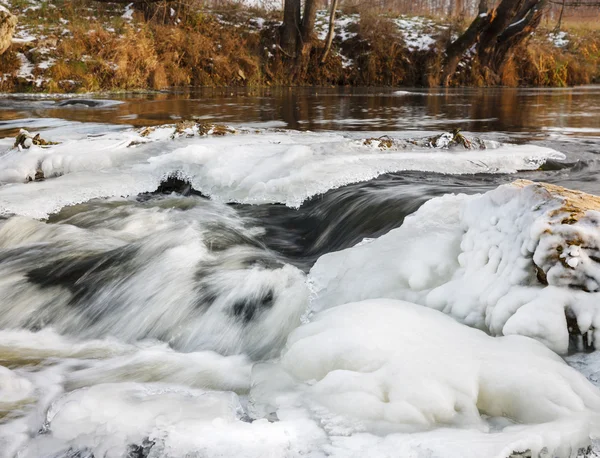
column 84, row 45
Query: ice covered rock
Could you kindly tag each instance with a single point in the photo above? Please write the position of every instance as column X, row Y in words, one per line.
column 8, row 24
column 446, row 140
column 183, row 128
column 257, row 166
column 521, row 259
column 390, row 368
column 25, row 140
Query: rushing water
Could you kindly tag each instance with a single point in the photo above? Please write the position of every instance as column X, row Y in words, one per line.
column 144, row 323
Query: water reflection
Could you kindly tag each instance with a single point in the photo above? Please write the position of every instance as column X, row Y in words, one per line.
column 478, row 110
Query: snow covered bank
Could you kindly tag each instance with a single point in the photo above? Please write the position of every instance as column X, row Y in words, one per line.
column 521, row 259
column 254, row 166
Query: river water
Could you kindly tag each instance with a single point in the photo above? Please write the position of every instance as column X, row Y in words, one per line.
column 151, row 281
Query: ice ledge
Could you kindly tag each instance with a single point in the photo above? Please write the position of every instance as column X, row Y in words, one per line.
column 521, row 259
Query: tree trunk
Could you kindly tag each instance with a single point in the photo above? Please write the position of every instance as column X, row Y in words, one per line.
column 518, row 28
column 559, row 23
column 305, row 43
column 331, row 31
column 467, row 40
column 290, row 30
column 308, row 22
column 495, row 33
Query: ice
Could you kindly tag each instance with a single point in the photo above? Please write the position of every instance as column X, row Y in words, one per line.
column 72, row 381
column 377, row 378
column 390, row 378
column 491, row 261
column 250, row 167
column 107, row 418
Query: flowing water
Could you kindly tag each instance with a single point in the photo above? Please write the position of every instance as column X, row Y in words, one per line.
column 149, row 283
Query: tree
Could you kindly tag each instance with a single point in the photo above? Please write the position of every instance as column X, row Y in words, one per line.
column 331, row 31
column 297, row 30
column 494, row 35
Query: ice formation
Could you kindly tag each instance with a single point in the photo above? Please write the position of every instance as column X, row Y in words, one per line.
column 374, row 373
column 374, row 378
column 266, row 166
column 521, row 259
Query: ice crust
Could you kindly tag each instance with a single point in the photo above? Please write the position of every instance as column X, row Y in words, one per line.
column 475, row 257
column 374, row 373
column 267, row 166
column 376, row 378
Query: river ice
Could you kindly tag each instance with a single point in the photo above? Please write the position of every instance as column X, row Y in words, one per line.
column 137, row 325
column 253, row 166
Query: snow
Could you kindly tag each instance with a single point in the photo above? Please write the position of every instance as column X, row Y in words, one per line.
column 128, row 14
column 559, row 39
column 475, row 257
column 23, row 36
column 417, row 32
column 385, row 375
column 250, row 167
column 262, row 4
column 374, row 378
column 343, row 24
column 26, row 70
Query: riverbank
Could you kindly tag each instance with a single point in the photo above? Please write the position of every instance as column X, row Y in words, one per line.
column 85, row 46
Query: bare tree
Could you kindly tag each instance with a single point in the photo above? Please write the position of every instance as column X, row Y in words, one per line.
column 493, row 35
column 331, row 31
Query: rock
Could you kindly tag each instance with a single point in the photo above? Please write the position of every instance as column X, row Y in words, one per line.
column 8, row 24
column 568, row 251
column 384, row 142
column 24, row 140
column 184, row 128
column 453, row 139
column 214, row 129
column 446, row 140
column 575, row 204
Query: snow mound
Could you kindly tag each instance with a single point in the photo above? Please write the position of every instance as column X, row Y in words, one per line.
column 254, row 166
column 391, row 368
column 159, row 420
column 521, row 259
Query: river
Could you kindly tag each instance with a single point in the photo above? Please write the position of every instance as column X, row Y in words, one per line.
column 172, row 294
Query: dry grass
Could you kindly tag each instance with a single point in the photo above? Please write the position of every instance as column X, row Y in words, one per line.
column 96, row 49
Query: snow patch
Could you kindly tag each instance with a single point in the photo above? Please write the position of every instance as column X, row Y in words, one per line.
column 559, row 39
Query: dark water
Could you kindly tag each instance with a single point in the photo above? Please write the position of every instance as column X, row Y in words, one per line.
column 524, row 113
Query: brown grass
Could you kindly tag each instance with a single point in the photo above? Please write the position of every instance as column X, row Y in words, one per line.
column 102, row 51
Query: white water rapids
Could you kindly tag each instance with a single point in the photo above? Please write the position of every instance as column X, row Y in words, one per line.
column 146, row 324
